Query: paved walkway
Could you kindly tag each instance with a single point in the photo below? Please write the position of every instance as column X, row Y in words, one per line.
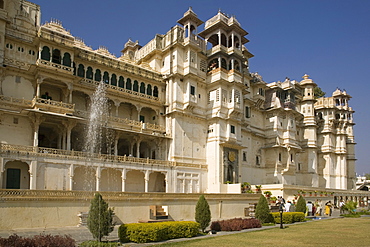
column 81, row 234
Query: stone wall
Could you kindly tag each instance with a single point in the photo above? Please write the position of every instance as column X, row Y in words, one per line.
column 46, row 209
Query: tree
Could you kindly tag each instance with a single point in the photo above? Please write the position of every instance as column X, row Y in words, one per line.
column 367, row 175
column 301, row 205
column 100, row 219
column 318, row 93
column 262, row 211
column 202, row 213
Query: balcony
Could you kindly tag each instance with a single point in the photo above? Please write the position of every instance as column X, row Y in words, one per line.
column 14, row 102
column 129, row 124
column 29, row 151
column 50, row 65
column 125, row 91
column 52, row 106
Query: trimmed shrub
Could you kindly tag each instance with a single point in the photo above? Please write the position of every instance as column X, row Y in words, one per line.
column 38, row 241
column 262, row 211
column 301, row 205
column 236, row 224
column 154, row 232
column 100, row 219
column 202, row 213
column 289, row 217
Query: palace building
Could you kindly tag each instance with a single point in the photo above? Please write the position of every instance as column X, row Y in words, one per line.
column 184, row 113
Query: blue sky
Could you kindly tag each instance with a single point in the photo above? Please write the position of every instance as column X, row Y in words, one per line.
column 329, row 40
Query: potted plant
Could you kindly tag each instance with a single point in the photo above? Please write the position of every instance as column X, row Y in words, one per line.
column 258, row 188
column 245, row 187
column 315, row 192
column 267, row 193
column 273, row 199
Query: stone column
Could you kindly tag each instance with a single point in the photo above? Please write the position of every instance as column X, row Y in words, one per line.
column 39, row 80
column 69, row 125
column 146, row 178
column 123, row 180
column 71, row 174
column 98, row 174
column 33, row 174
column 2, row 170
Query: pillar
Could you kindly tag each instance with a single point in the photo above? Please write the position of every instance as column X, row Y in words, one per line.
column 71, row 173
column 123, row 180
column 98, row 173
column 33, row 175
column 146, row 178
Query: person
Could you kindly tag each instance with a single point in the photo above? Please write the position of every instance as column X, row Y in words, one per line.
column 287, row 206
column 309, row 208
column 341, row 206
column 328, row 207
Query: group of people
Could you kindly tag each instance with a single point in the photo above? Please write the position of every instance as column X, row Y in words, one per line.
column 313, row 209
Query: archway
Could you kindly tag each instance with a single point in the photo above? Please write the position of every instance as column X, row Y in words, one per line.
column 135, row 181
column 157, row 182
column 16, row 175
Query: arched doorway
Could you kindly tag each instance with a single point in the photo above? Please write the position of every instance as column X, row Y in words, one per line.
column 16, row 175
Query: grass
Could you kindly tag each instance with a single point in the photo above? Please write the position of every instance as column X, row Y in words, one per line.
column 332, row 232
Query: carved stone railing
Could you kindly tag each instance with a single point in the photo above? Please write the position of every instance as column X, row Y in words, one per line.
column 122, row 90
column 53, row 106
column 15, row 101
column 49, row 64
column 78, row 155
column 127, row 122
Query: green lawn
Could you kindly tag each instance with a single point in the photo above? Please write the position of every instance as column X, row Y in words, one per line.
column 331, row 232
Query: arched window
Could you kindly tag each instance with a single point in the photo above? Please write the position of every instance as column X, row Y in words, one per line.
column 121, row 82
column 128, row 84
column 45, row 53
column 142, row 87
column 98, row 75
column 57, row 58
column 223, row 63
column 155, row 91
column 67, row 59
column 106, row 77
column 89, row 73
column 136, row 86
column 149, row 90
column 114, row 80
column 81, row 70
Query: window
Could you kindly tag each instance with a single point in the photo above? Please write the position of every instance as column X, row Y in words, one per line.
column 155, row 91
column 81, row 71
column 114, row 80
column 106, row 77
column 57, row 58
column 279, row 157
column 128, row 84
column 149, row 90
column 192, row 90
column 232, row 129
column 258, row 160
column 136, row 86
column 142, row 87
column 142, row 118
column 89, row 73
column 98, row 75
column 45, row 53
column 261, row 91
column 247, row 112
column 244, row 156
column 67, row 60
column 121, row 82
column 291, row 158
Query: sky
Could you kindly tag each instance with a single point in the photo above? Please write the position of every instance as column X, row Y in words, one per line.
column 327, row 39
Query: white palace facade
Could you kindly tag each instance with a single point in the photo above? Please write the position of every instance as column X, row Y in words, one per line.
column 185, row 115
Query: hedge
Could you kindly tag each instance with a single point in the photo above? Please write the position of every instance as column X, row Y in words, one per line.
column 289, row 217
column 236, row 224
column 154, row 232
